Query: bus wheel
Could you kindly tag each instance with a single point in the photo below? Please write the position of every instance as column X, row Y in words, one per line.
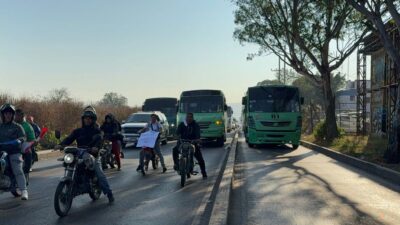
column 220, row 142
column 295, row 147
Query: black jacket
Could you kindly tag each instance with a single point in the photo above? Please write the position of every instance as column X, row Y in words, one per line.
column 189, row 131
column 111, row 130
column 85, row 137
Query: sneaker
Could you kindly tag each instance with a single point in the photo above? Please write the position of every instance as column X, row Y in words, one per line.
column 164, row 169
column 204, row 175
column 24, row 195
column 122, row 155
column 110, row 197
column 119, row 168
column 176, row 168
column 138, row 169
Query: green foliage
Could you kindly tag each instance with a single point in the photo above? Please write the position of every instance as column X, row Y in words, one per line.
column 320, row 131
column 269, row 82
column 49, row 141
column 113, row 99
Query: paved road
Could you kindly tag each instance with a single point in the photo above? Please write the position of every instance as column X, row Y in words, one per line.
column 154, row 199
column 282, row 186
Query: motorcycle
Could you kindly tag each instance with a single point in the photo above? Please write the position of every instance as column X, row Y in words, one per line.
column 186, row 160
column 150, row 155
column 107, row 157
column 8, row 182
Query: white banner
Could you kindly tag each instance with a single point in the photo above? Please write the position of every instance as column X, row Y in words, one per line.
column 148, row 139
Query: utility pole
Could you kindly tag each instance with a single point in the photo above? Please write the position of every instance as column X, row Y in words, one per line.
column 278, row 70
column 284, row 72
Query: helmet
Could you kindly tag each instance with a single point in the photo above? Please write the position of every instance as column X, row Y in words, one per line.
column 90, row 111
column 7, row 108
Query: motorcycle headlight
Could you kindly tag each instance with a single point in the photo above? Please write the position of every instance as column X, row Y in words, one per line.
column 218, row 122
column 172, row 125
column 69, row 158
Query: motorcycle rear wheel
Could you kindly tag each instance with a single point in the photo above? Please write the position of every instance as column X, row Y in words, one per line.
column 63, row 199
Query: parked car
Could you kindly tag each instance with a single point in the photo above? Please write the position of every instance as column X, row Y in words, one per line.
column 138, row 121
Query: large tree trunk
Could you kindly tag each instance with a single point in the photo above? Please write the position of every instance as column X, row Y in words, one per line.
column 329, row 100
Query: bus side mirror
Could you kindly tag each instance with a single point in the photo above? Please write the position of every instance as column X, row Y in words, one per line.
column 244, row 101
column 225, row 108
column 177, row 107
column 57, row 134
column 143, row 108
column 302, row 100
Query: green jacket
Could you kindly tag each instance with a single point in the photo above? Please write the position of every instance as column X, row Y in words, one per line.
column 30, row 134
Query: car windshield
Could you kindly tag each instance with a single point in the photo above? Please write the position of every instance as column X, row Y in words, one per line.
column 202, row 104
column 139, row 118
column 274, row 99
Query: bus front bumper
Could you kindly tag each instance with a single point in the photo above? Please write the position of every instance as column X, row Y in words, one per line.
column 274, row 137
column 212, row 133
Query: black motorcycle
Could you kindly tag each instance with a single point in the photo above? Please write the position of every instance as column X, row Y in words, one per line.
column 79, row 178
column 107, row 157
column 186, row 160
column 8, row 182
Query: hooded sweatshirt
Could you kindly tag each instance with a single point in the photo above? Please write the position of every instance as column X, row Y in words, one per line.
column 10, row 132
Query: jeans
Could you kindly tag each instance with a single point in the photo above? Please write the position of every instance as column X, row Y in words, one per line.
column 16, row 166
column 197, row 154
column 103, row 182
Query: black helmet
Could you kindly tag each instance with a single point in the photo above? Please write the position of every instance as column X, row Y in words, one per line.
column 7, row 108
column 90, row 111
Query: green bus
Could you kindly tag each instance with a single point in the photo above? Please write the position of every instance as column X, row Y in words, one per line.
column 210, row 111
column 272, row 115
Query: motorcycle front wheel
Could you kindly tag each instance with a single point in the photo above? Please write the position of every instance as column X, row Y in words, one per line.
column 63, row 199
column 182, row 170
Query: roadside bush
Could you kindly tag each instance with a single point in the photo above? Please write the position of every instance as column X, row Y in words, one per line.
column 320, row 131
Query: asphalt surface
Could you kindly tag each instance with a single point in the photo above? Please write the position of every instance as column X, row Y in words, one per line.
column 154, row 199
column 278, row 185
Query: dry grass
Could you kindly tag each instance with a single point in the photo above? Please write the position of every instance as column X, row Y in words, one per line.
column 63, row 115
column 370, row 148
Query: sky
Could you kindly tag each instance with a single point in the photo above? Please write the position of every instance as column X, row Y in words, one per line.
column 139, row 49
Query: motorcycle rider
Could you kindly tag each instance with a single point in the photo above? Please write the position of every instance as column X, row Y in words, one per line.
column 156, row 126
column 190, row 130
column 30, row 137
column 85, row 137
column 10, row 131
column 111, row 131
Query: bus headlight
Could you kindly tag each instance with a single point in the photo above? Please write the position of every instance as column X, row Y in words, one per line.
column 218, row 122
column 69, row 158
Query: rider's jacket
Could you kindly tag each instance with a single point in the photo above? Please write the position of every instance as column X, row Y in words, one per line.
column 189, row 131
column 10, row 132
column 85, row 137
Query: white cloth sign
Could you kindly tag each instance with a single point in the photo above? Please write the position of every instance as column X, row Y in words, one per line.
column 148, row 139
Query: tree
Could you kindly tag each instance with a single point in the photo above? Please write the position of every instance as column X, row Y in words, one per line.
column 59, row 95
column 269, row 82
column 376, row 12
column 113, row 99
column 314, row 37
column 286, row 76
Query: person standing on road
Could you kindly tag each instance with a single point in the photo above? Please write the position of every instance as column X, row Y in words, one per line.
column 111, row 131
column 37, row 131
column 154, row 125
column 190, row 130
column 30, row 137
column 85, row 137
column 11, row 131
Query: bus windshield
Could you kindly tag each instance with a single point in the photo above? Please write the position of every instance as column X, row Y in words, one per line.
column 274, row 99
column 202, row 104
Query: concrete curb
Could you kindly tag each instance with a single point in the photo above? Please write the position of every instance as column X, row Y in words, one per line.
column 48, row 154
column 219, row 215
column 387, row 174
